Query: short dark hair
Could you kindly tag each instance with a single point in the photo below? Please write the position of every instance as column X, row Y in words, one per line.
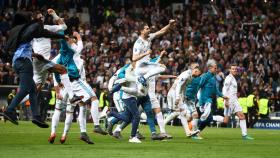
column 142, row 26
column 233, row 64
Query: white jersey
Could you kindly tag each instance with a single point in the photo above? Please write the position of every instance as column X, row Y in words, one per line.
column 180, row 83
column 131, row 84
column 42, row 46
column 113, row 79
column 142, row 46
column 230, row 87
column 78, row 60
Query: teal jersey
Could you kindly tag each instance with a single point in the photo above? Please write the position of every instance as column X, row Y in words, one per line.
column 155, row 60
column 66, row 59
column 121, row 74
column 192, row 88
column 208, row 88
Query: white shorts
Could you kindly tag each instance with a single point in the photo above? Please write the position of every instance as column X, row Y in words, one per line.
column 40, row 70
column 60, row 105
column 171, row 99
column 205, row 110
column 64, row 103
column 118, row 101
column 233, row 108
column 190, row 106
column 81, row 88
column 152, row 94
column 155, row 103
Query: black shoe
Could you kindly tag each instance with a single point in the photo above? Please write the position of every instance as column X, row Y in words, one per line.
column 156, row 136
column 140, row 136
column 9, row 116
column 37, row 120
column 110, row 128
column 166, row 136
column 76, row 99
column 84, row 137
column 117, row 135
column 98, row 129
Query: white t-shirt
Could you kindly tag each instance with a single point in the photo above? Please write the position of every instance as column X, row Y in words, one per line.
column 42, row 45
column 142, row 46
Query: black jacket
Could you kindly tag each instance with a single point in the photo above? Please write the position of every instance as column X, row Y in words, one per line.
column 23, row 33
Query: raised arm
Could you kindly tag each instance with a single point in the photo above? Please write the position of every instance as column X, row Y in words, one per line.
column 139, row 55
column 57, row 19
column 165, row 29
column 80, row 45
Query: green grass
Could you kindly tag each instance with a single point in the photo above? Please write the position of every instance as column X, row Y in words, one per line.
column 29, row 141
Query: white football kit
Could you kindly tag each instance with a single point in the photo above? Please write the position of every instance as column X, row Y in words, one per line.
column 230, row 90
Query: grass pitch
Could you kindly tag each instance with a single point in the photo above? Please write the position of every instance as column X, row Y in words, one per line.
column 29, row 141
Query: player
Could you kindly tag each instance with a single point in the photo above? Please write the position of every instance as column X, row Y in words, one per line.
column 19, row 42
column 141, row 52
column 42, row 46
column 208, row 90
column 154, row 101
column 232, row 106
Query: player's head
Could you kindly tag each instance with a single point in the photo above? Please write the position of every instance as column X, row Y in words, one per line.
column 233, row 69
column 39, row 17
column 144, row 29
column 195, row 69
column 212, row 66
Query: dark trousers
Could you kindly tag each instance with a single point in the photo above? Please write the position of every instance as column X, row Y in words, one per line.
column 23, row 67
column 147, row 107
column 131, row 114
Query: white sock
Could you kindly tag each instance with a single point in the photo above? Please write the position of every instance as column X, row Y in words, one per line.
column 218, row 118
column 68, row 123
column 160, row 122
column 184, row 122
column 243, row 127
column 55, row 120
column 155, row 71
column 103, row 113
column 95, row 112
column 118, row 129
column 24, row 99
column 194, row 124
column 171, row 117
column 67, row 85
column 82, row 119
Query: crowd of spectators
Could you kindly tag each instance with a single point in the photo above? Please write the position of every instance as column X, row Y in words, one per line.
column 245, row 32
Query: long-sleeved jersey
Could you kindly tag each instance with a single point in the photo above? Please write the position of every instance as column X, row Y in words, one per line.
column 208, row 88
column 192, row 89
column 180, row 83
column 67, row 59
column 42, row 45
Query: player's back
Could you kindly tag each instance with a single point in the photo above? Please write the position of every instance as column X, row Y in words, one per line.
column 42, row 45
